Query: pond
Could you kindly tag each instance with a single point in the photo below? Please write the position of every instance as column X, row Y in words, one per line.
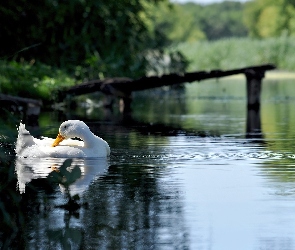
column 183, row 174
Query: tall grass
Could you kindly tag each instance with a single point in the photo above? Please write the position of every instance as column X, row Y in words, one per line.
column 240, row 52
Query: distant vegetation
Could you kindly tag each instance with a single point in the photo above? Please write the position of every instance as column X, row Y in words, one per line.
column 232, row 34
column 270, row 18
column 191, row 22
column 230, row 53
column 256, row 18
column 48, row 44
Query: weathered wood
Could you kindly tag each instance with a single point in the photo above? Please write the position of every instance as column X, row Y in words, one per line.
column 122, row 87
column 253, row 128
column 172, row 79
column 20, row 100
column 254, row 79
column 95, row 85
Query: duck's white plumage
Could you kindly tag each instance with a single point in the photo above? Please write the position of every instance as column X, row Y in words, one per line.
column 62, row 147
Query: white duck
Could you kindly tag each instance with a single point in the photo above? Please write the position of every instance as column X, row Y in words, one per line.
column 62, row 147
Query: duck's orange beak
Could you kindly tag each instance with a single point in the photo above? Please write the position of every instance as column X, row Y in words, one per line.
column 58, row 140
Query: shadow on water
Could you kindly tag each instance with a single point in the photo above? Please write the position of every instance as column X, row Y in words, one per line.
column 11, row 214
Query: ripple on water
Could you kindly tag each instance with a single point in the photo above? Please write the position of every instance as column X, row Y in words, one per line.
column 246, row 155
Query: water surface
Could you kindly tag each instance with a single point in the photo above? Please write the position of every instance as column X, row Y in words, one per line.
column 183, row 174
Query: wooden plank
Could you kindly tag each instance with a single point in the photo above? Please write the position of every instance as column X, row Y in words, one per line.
column 20, row 100
column 122, row 86
column 95, row 85
column 254, row 82
column 172, row 79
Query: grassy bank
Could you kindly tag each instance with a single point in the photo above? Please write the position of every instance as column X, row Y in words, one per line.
column 33, row 80
column 240, row 52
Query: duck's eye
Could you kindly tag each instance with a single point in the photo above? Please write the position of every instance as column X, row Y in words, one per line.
column 65, row 126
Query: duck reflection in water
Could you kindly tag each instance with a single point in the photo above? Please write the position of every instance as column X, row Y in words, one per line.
column 73, row 176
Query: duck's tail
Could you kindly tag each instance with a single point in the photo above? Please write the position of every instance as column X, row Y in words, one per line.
column 24, row 139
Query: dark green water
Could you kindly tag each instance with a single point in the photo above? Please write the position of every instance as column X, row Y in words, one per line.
column 183, row 174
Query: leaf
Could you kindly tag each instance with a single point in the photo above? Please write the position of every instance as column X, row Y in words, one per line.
column 74, row 175
column 55, row 177
column 76, row 197
column 67, row 163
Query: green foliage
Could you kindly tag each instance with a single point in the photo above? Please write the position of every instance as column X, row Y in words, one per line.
column 64, row 176
column 270, row 18
column 177, row 23
column 91, row 38
column 193, row 22
column 239, row 52
column 222, row 20
column 67, row 175
column 32, row 80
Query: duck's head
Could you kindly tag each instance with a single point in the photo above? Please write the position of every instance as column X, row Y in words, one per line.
column 70, row 129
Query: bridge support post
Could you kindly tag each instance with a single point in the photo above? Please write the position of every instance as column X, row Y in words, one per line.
column 253, row 127
column 254, row 79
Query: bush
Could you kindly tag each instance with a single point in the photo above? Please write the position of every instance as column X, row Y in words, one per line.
column 27, row 79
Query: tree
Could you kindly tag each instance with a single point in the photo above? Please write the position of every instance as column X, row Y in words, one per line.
column 270, row 18
column 177, row 23
column 93, row 38
column 221, row 20
column 193, row 22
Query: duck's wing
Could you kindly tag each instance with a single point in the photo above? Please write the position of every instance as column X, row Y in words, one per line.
column 46, row 141
column 24, row 139
column 72, row 142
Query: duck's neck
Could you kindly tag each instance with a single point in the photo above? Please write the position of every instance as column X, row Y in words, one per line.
column 89, row 139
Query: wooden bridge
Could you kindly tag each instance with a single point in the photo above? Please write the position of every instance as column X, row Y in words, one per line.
column 123, row 87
